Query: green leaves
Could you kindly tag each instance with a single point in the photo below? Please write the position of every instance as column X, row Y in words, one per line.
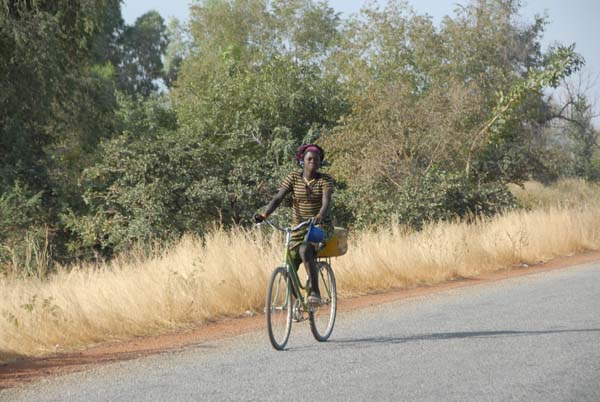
column 502, row 144
column 420, row 121
column 439, row 195
column 142, row 46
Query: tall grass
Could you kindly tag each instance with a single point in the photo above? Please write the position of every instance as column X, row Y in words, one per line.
column 225, row 274
column 563, row 193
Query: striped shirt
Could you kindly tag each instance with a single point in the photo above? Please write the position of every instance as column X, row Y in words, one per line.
column 307, row 198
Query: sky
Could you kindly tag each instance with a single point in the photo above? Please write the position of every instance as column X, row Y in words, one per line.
column 574, row 21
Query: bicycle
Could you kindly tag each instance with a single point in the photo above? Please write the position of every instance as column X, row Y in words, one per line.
column 284, row 286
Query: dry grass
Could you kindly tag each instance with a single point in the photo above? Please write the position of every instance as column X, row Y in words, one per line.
column 226, row 273
column 564, row 193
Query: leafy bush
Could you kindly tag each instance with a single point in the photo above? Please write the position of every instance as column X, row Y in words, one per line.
column 24, row 247
column 439, row 195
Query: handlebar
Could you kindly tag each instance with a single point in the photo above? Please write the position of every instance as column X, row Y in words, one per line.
column 276, row 226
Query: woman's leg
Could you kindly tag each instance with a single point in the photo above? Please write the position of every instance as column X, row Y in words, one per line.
column 296, row 260
column 307, row 253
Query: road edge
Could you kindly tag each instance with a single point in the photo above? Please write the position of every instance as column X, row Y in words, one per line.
column 26, row 370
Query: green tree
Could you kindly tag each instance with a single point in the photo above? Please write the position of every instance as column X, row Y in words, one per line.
column 250, row 90
column 142, row 46
column 427, row 100
column 583, row 136
column 570, row 141
column 44, row 69
column 49, row 86
column 247, row 95
column 177, row 50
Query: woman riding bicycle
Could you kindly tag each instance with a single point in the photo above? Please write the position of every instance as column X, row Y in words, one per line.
column 311, row 200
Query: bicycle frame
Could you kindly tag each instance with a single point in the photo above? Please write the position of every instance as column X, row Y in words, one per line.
column 300, row 290
column 280, row 309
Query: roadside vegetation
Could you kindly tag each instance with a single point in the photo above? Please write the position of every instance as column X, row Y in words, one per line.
column 132, row 156
column 224, row 274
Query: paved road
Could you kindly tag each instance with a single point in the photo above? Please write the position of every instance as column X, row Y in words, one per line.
column 531, row 338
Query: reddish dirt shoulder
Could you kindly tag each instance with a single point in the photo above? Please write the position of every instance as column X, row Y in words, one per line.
column 25, row 370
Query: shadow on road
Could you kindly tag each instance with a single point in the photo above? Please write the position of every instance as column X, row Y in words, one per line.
column 376, row 340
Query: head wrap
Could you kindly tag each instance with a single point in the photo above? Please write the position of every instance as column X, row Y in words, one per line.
column 304, row 148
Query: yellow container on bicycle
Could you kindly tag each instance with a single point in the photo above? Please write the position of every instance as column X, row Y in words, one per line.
column 337, row 245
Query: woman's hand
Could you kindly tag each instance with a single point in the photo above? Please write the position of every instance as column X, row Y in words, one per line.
column 317, row 219
column 258, row 218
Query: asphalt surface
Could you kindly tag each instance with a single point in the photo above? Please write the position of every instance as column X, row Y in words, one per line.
column 529, row 338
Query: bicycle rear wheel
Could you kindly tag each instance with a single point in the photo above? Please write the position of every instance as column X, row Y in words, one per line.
column 278, row 308
column 322, row 317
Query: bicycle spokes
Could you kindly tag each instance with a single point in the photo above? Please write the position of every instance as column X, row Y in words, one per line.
column 278, row 308
column 322, row 317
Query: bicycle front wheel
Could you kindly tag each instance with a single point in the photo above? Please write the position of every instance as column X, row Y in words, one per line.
column 322, row 317
column 278, row 308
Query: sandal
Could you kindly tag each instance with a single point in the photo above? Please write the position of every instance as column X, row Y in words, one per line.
column 314, row 298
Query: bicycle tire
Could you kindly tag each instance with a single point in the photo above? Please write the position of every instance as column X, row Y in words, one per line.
column 322, row 318
column 278, row 308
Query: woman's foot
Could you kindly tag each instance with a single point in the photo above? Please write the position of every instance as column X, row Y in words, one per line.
column 314, row 298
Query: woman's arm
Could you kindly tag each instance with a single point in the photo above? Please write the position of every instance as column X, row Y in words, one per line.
column 272, row 206
column 326, row 202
